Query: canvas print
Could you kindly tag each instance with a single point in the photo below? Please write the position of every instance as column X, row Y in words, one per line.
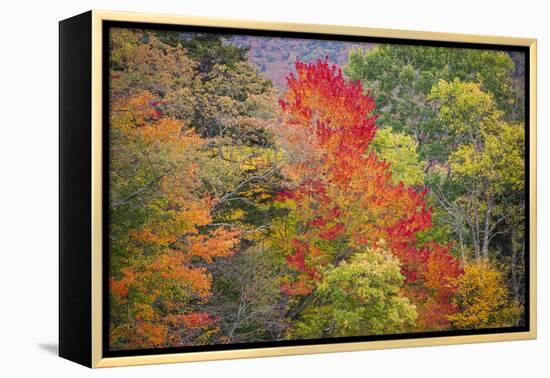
column 279, row 188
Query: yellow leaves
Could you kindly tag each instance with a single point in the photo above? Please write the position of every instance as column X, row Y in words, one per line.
column 179, row 227
column 179, row 219
column 360, row 296
column 504, row 152
column 255, row 162
column 144, row 311
column 147, row 63
column 139, row 118
column 148, row 236
column 171, row 239
column 464, row 106
column 499, row 159
column 163, row 131
column 173, row 268
column 489, row 152
column 191, row 216
column 235, row 215
column 482, row 299
column 183, row 137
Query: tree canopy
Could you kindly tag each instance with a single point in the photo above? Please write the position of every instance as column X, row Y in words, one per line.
column 384, row 197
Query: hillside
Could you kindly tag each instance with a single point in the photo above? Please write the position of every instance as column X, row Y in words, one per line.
column 275, row 57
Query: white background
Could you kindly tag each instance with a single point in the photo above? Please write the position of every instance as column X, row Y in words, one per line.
column 29, row 174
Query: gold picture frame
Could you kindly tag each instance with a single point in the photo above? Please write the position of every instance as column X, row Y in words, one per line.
column 90, row 268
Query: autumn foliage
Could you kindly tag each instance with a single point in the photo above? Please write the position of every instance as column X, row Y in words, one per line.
column 482, row 298
column 343, row 193
column 163, row 252
column 242, row 212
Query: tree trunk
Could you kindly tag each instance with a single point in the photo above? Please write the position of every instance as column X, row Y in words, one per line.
column 474, row 226
column 515, row 283
column 461, row 241
column 521, row 278
column 475, row 230
column 485, row 248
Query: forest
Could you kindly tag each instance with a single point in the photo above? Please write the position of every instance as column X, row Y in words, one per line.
column 378, row 189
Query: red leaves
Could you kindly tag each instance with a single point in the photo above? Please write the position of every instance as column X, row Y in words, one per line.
column 282, row 103
column 332, row 232
column 441, row 271
column 322, row 102
column 297, row 259
column 285, row 195
column 118, row 288
column 198, row 320
column 342, row 189
column 148, row 334
column 318, row 222
column 432, row 272
column 342, row 177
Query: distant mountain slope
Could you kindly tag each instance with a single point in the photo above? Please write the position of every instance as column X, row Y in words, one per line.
column 275, row 57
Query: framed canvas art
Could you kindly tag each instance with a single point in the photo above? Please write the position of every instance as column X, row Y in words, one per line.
column 235, row 189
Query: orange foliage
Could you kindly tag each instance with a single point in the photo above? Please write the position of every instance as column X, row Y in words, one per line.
column 134, row 112
column 197, row 320
column 342, row 191
column 218, row 243
column 432, row 273
column 147, row 334
column 165, row 277
column 296, row 288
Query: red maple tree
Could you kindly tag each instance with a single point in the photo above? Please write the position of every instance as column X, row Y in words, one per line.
column 343, row 194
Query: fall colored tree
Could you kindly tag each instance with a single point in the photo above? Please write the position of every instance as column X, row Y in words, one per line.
column 340, row 194
column 400, row 150
column 482, row 299
column 190, row 170
column 442, row 97
column 327, row 206
column 157, row 293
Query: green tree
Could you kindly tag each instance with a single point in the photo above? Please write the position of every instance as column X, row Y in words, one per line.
column 361, row 296
column 400, row 150
column 401, row 77
column 209, row 49
column 487, row 164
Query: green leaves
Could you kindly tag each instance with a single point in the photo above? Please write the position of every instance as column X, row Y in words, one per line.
column 488, row 146
column 350, row 208
column 465, row 109
column 400, row 150
column 402, row 76
column 361, row 296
